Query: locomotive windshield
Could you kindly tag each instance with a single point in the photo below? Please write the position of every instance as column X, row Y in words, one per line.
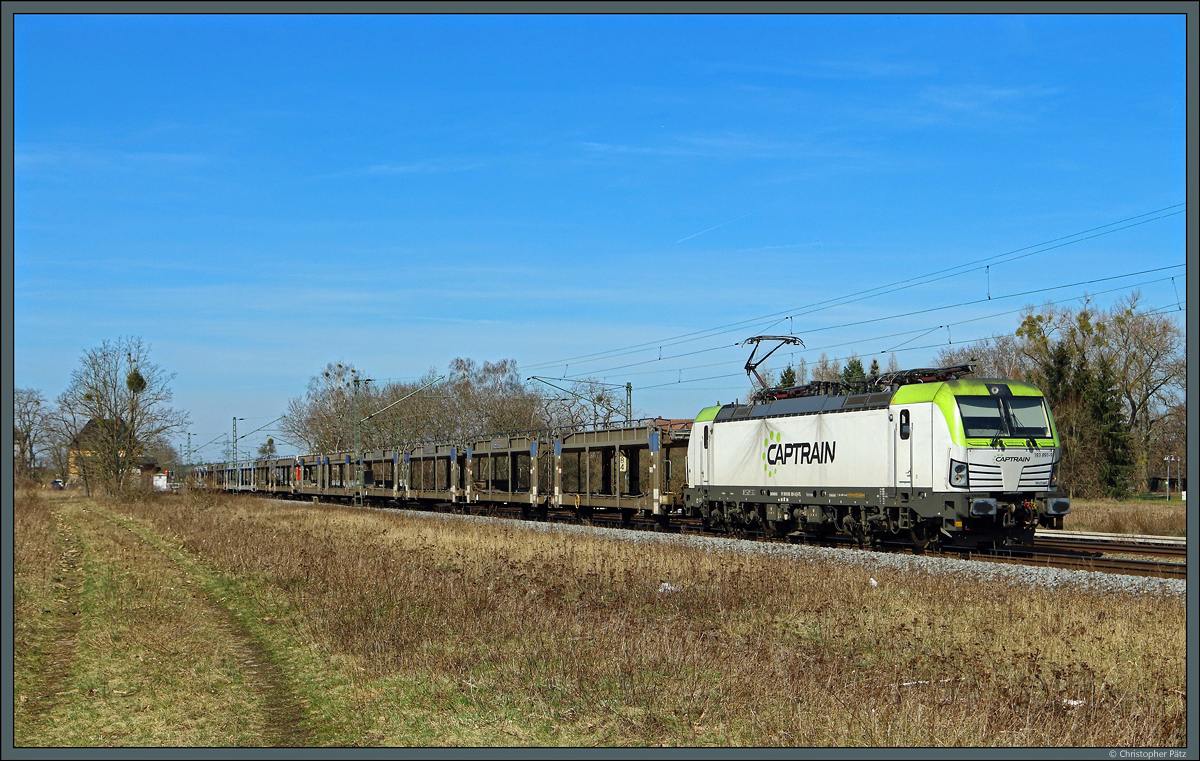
column 1015, row 417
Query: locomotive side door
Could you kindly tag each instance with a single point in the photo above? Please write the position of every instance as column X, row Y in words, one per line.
column 902, row 438
column 706, row 431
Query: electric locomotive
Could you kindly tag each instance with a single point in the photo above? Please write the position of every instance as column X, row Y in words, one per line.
column 927, row 456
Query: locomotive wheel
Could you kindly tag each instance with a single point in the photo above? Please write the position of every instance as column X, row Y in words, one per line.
column 854, row 529
column 922, row 537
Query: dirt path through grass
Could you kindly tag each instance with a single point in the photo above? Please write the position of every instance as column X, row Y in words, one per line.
column 61, row 623
column 141, row 649
column 283, row 723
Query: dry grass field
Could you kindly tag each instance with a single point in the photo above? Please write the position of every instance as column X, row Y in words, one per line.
column 196, row 621
column 1129, row 517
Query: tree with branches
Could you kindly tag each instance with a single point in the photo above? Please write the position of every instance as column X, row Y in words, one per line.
column 475, row 398
column 1133, row 362
column 115, row 407
column 31, row 434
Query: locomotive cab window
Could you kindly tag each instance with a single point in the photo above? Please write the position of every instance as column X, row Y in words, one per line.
column 706, row 437
column 905, row 425
column 1018, row 417
column 1027, row 417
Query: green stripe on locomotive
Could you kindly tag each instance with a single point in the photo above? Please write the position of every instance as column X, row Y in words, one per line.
column 943, row 393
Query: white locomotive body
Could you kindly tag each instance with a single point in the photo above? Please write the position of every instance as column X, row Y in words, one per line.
column 967, row 462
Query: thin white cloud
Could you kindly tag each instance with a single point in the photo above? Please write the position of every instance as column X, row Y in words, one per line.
column 727, row 145
column 983, row 100
column 70, row 158
column 714, row 227
column 780, row 246
column 865, row 68
column 428, row 166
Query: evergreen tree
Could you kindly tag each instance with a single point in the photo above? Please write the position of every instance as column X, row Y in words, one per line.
column 1056, row 370
column 853, row 371
column 1096, row 459
column 1106, row 414
column 787, row 378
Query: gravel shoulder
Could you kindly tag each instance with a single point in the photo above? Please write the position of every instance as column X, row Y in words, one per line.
column 869, row 560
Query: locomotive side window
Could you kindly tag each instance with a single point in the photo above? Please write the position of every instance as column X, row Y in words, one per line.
column 905, row 426
column 706, row 437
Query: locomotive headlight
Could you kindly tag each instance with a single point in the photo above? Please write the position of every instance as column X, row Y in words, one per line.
column 958, row 473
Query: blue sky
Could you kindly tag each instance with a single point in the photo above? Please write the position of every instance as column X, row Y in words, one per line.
column 256, row 196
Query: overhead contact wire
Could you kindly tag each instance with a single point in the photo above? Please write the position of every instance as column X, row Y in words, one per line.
column 869, row 293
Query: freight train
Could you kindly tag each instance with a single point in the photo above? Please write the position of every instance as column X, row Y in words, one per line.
column 927, row 457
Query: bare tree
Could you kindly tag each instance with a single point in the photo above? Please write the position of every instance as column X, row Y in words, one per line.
column 475, row 398
column 115, row 406
column 491, row 397
column 319, row 421
column 1147, row 356
column 162, row 453
column 825, row 369
column 581, row 403
column 1000, row 356
column 58, row 451
column 31, row 415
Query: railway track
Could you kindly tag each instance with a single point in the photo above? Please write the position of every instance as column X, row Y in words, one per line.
column 1125, row 544
column 1052, row 549
column 1090, row 562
